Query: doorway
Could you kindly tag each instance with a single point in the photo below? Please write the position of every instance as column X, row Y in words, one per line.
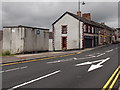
column 64, row 43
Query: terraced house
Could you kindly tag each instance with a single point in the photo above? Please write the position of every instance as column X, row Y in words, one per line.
column 76, row 31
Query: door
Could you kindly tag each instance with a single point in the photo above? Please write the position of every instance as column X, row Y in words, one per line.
column 64, row 43
column 88, row 43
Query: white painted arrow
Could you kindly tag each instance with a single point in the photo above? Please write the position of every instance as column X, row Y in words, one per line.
column 93, row 67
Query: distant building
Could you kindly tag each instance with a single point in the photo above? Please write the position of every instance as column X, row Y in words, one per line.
column 116, row 37
column 76, row 31
column 23, row 39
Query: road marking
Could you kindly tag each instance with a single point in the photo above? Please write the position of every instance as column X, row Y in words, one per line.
column 65, row 60
column 114, row 81
column 13, row 69
column 34, row 80
column 1, row 71
column 38, row 59
column 92, row 62
column 111, row 78
column 110, row 50
column 117, row 48
column 23, row 67
column 75, row 58
column 100, row 54
column 93, row 67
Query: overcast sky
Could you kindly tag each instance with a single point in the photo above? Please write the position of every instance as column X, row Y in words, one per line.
column 43, row 14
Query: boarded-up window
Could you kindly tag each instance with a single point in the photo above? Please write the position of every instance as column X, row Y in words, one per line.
column 64, row 29
column 50, row 35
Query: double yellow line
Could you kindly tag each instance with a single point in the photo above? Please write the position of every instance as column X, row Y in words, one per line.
column 13, row 63
column 112, row 80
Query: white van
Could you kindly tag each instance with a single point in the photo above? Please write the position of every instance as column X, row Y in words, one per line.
column 115, row 41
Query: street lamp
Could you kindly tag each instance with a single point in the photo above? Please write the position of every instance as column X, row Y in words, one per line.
column 83, row 3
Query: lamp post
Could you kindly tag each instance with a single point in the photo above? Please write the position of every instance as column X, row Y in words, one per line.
column 83, row 3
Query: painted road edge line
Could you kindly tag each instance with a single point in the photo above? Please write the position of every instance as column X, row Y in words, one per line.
column 34, row 80
column 37, row 59
column 114, row 81
column 110, row 79
column 13, row 69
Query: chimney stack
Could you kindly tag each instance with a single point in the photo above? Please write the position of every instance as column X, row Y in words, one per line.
column 87, row 16
column 103, row 23
column 79, row 13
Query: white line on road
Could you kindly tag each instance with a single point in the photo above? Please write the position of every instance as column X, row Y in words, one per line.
column 110, row 50
column 13, row 69
column 23, row 67
column 1, row 71
column 65, row 60
column 94, row 66
column 117, row 48
column 100, row 54
column 34, row 80
column 87, row 63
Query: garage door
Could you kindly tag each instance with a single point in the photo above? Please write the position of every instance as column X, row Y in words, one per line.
column 88, row 43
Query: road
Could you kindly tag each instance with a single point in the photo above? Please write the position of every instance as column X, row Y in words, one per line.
column 68, row 71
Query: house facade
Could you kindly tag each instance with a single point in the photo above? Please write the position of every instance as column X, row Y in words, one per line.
column 23, row 39
column 66, row 33
column 72, row 31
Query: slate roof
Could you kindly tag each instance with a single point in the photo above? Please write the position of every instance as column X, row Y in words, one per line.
column 90, row 22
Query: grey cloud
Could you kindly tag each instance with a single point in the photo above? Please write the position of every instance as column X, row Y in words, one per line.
column 43, row 14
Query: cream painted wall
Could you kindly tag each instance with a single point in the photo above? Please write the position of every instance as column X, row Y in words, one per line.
column 72, row 35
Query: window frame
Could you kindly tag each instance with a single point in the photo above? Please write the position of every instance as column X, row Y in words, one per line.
column 62, row 31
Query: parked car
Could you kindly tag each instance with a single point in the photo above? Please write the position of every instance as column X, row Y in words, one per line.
column 116, row 41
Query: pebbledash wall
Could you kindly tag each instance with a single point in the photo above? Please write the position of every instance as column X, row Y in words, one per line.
column 23, row 39
column 72, row 33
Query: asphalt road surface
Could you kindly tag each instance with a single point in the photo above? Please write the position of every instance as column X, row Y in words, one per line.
column 97, row 68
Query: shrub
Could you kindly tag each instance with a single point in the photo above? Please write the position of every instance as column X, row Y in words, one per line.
column 6, row 53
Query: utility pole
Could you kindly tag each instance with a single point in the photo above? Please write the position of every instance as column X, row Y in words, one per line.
column 79, row 20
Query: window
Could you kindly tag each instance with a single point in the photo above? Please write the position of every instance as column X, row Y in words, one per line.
column 90, row 29
column 85, row 28
column 64, row 29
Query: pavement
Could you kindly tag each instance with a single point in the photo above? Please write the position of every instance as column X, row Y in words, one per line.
column 94, row 69
column 22, row 57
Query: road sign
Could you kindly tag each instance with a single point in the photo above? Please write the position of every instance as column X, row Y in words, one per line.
column 38, row 32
